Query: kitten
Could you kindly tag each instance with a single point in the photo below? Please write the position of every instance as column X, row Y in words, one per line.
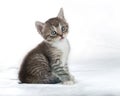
column 47, row 63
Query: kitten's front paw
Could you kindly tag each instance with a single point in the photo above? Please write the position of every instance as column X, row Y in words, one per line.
column 72, row 78
column 68, row 82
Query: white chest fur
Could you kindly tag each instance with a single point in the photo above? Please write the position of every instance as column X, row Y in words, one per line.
column 63, row 45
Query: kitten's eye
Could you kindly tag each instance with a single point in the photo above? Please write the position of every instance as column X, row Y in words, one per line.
column 63, row 28
column 53, row 32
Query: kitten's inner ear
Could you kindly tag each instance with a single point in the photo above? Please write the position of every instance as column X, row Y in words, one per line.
column 61, row 14
column 39, row 26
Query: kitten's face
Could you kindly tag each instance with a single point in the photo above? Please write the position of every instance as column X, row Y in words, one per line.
column 54, row 29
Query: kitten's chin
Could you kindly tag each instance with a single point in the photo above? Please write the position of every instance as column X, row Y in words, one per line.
column 56, row 40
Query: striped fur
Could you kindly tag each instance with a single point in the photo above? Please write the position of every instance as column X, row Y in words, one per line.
column 47, row 63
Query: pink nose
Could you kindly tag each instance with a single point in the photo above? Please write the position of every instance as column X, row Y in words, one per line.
column 61, row 36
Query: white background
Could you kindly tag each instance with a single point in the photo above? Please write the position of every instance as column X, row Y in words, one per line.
column 94, row 27
column 94, row 37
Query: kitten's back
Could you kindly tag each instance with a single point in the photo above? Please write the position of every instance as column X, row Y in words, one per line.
column 35, row 67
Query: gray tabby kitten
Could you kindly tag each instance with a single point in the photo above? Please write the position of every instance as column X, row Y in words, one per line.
column 47, row 63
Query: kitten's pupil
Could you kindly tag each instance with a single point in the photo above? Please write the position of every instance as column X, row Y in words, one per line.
column 63, row 28
column 53, row 32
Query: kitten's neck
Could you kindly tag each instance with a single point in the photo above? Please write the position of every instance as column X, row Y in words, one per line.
column 59, row 41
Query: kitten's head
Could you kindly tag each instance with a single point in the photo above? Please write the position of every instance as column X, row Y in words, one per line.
column 54, row 29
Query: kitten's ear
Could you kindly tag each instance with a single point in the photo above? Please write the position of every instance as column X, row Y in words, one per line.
column 39, row 26
column 61, row 14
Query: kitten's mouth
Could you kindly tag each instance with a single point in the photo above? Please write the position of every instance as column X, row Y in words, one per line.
column 61, row 37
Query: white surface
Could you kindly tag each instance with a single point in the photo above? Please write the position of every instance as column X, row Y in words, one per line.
column 95, row 45
column 91, row 80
